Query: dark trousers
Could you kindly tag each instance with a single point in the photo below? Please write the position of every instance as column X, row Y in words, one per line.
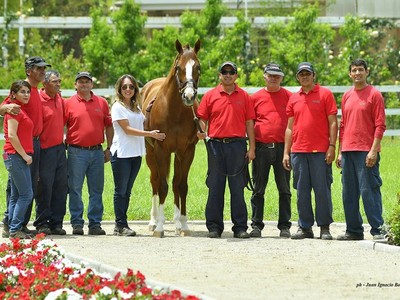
column 311, row 172
column 34, row 168
column 267, row 157
column 53, row 188
column 226, row 161
column 125, row 171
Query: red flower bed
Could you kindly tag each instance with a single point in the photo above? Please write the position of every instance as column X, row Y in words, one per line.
column 38, row 269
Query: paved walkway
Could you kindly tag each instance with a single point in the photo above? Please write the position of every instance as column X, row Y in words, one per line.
column 264, row 268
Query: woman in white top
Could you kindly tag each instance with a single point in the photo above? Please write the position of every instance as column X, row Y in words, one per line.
column 127, row 147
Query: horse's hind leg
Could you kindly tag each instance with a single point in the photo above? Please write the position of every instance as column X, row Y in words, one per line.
column 180, row 186
column 154, row 212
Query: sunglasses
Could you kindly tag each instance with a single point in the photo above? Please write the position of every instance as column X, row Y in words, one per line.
column 126, row 86
column 231, row 72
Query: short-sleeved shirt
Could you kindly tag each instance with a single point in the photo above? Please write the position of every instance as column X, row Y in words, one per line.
column 363, row 119
column 271, row 119
column 24, row 132
column 53, row 120
column 86, row 120
column 35, row 111
column 310, row 111
column 127, row 145
column 226, row 114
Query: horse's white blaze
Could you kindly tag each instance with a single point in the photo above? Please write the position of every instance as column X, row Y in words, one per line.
column 189, row 91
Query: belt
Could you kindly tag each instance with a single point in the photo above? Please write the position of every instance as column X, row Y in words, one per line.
column 95, row 147
column 228, row 140
column 36, row 138
column 269, row 145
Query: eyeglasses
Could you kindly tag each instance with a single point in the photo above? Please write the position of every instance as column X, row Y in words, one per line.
column 305, row 74
column 126, row 86
column 231, row 72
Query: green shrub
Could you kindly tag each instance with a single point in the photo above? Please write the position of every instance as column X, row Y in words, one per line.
column 394, row 224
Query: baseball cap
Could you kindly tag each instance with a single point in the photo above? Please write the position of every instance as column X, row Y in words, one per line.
column 83, row 74
column 228, row 63
column 305, row 66
column 273, row 69
column 35, row 61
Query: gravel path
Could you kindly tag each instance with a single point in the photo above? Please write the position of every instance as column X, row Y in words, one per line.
column 264, row 268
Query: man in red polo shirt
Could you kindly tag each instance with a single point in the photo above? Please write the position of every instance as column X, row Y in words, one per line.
column 310, row 140
column 228, row 113
column 361, row 130
column 53, row 182
column 35, row 68
column 87, row 117
column 269, row 128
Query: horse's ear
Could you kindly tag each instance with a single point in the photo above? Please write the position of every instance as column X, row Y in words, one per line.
column 178, row 46
column 197, row 46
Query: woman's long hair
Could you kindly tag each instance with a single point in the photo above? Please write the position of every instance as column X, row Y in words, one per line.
column 135, row 104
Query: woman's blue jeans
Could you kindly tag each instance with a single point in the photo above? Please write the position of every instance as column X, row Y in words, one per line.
column 21, row 190
column 125, row 171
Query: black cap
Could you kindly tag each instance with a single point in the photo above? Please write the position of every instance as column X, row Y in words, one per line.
column 36, row 61
column 228, row 63
column 305, row 66
column 83, row 74
column 273, row 69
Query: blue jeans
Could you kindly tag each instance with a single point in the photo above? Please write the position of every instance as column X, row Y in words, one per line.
column 89, row 163
column 310, row 172
column 226, row 161
column 21, row 190
column 125, row 171
column 265, row 159
column 358, row 179
column 34, row 169
column 53, row 188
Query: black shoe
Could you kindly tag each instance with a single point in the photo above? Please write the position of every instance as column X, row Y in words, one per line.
column 325, row 234
column 58, row 231
column 255, row 232
column 77, row 229
column 214, row 235
column 43, row 229
column 241, row 235
column 96, row 231
column 6, row 231
column 350, row 237
column 285, row 233
column 28, row 231
column 20, row 235
column 303, row 233
column 124, row 231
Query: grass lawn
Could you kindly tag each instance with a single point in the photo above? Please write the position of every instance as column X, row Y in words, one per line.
column 141, row 194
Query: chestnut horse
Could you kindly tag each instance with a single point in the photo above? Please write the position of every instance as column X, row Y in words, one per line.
column 170, row 103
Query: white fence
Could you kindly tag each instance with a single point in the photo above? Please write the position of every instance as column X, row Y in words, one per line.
column 109, row 93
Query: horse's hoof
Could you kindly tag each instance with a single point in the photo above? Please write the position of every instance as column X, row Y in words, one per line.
column 159, row 234
column 152, row 227
column 185, row 233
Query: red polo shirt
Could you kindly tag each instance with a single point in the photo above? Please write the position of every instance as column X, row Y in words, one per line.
column 363, row 119
column 24, row 132
column 86, row 120
column 311, row 126
column 53, row 120
column 271, row 119
column 34, row 111
column 226, row 114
